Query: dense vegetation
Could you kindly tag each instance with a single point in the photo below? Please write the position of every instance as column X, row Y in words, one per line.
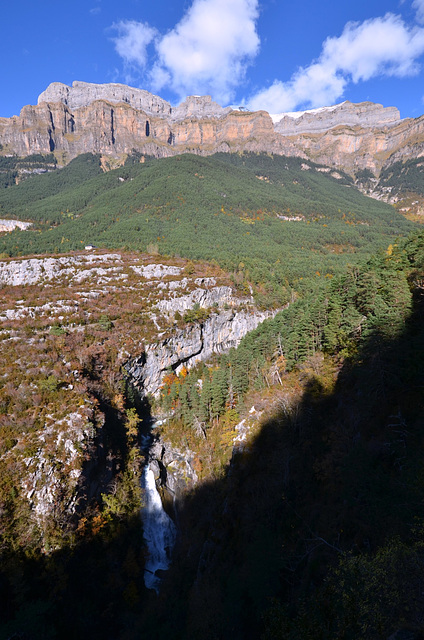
column 14, row 168
column 404, row 177
column 274, row 221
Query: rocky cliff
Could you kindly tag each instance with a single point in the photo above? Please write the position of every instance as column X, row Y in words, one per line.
column 114, row 120
column 355, row 147
column 199, row 341
column 82, row 94
column 365, row 114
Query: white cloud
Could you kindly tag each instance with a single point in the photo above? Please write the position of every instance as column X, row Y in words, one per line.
column 383, row 46
column 418, row 5
column 211, row 48
column 132, row 41
column 208, row 51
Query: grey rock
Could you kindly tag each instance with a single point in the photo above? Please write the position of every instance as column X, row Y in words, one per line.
column 10, row 225
column 363, row 114
column 203, row 297
column 156, row 271
column 198, row 107
column 81, row 94
column 173, row 468
column 198, row 342
column 37, row 270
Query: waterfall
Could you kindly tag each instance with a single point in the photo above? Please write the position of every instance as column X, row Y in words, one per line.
column 159, row 531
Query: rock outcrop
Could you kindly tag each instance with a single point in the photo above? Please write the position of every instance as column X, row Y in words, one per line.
column 43, row 480
column 82, row 94
column 114, row 120
column 10, row 225
column 174, row 470
column 210, row 297
column 199, row 341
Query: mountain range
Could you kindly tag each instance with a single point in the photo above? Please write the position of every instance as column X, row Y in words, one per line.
column 115, row 119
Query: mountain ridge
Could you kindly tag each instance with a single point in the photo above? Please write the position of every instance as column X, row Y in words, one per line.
column 115, row 119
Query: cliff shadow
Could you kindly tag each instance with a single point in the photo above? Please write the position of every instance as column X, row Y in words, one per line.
column 332, row 486
column 331, row 480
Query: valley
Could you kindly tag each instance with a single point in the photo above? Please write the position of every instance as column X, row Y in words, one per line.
column 224, row 302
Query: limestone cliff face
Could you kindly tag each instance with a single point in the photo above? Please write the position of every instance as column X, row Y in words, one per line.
column 364, row 114
column 174, row 469
column 356, row 147
column 82, row 94
column 114, row 119
column 188, row 346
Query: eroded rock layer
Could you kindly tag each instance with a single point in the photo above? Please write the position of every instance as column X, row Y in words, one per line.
column 114, row 120
column 364, row 114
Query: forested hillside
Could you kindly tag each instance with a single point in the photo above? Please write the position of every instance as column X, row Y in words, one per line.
column 272, row 220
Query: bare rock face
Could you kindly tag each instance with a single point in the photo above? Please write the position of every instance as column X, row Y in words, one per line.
column 203, row 297
column 197, row 342
column 114, row 119
column 198, row 107
column 365, row 115
column 82, row 94
column 352, row 136
column 353, row 148
column 174, row 470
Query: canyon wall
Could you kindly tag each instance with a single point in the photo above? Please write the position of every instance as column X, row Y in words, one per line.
column 199, row 341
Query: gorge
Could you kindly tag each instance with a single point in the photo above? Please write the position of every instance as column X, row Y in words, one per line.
column 89, row 279
column 240, row 342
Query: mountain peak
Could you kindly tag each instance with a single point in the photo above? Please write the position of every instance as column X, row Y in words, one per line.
column 82, row 94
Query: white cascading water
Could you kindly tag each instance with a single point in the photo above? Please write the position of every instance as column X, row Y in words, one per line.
column 159, row 531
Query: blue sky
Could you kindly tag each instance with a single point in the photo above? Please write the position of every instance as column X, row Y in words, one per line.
column 270, row 54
